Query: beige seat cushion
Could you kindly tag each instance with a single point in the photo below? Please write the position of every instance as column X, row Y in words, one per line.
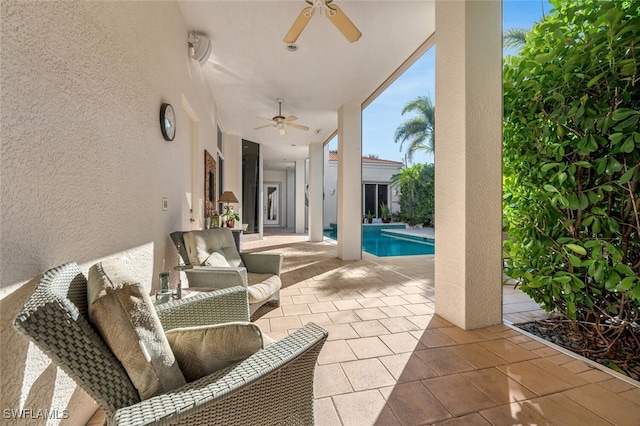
column 203, row 350
column 262, row 286
column 201, row 244
column 124, row 314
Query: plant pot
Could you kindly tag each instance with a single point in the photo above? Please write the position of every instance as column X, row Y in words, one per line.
column 386, row 219
column 369, row 220
column 231, row 223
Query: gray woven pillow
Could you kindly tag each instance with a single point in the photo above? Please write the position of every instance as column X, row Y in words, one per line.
column 124, row 314
column 203, row 350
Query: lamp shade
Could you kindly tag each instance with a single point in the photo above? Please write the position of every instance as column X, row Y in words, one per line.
column 228, row 197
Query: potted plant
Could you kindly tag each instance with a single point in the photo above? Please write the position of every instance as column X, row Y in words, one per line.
column 385, row 213
column 369, row 217
column 230, row 218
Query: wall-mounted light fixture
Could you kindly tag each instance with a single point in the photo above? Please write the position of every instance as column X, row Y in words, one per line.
column 200, row 47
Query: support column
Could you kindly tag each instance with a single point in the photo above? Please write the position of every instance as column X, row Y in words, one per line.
column 299, row 197
column 350, row 182
column 468, row 262
column 316, row 188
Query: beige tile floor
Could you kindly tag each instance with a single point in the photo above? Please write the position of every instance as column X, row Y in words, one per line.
column 390, row 361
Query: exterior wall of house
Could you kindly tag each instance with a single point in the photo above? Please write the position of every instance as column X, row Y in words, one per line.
column 84, row 165
column 371, row 173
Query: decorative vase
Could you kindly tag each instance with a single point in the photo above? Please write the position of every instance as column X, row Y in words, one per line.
column 231, row 223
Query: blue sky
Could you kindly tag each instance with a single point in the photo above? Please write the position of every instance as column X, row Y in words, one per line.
column 383, row 116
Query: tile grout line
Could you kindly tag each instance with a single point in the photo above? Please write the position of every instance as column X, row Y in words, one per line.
column 576, row 356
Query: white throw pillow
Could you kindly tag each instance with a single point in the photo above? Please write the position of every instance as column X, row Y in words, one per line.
column 216, row 259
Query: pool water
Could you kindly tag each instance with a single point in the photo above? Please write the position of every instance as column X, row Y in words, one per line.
column 384, row 244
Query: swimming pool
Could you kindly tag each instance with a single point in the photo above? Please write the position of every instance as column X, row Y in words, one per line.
column 380, row 243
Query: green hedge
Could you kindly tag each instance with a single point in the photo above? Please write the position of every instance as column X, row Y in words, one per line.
column 572, row 163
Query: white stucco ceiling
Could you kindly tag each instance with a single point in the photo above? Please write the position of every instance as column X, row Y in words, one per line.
column 250, row 65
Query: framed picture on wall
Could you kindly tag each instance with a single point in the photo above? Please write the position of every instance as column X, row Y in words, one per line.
column 210, row 194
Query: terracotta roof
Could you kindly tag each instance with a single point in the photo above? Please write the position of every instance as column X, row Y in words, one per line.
column 333, row 156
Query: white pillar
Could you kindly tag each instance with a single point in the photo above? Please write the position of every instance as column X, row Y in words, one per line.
column 350, row 182
column 299, row 213
column 316, row 188
column 468, row 262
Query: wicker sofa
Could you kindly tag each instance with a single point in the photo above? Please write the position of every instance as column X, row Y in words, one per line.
column 274, row 386
column 258, row 272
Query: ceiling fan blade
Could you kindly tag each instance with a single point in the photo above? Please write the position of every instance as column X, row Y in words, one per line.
column 265, row 118
column 298, row 126
column 262, row 127
column 342, row 23
column 290, row 118
column 282, row 130
column 298, row 25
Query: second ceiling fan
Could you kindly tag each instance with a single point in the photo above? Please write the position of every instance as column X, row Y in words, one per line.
column 281, row 122
column 333, row 12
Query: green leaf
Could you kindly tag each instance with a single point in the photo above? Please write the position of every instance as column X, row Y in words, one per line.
column 625, row 270
column 595, row 79
column 628, row 145
column 576, row 249
column 626, row 177
column 612, row 281
column 629, row 122
column 615, row 138
column 548, row 166
column 550, row 188
column 627, row 283
column 575, row 260
column 623, row 113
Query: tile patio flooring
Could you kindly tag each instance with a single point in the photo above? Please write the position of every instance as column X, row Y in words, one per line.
column 390, row 361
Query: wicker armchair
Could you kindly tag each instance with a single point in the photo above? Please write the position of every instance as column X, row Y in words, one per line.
column 272, row 387
column 258, row 272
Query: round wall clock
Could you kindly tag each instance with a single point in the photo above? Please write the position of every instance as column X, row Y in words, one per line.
column 168, row 122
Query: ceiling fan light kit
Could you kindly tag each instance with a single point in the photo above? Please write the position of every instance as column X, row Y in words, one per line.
column 333, row 12
column 281, row 122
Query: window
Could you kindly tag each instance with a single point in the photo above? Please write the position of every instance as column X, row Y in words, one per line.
column 374, row 194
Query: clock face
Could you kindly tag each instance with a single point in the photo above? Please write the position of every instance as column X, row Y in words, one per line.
column 168, row 122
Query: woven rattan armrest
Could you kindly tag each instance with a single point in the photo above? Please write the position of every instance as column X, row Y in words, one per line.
column 216, row 276
column 263, row 263
column 211, row 307
column 273, row 386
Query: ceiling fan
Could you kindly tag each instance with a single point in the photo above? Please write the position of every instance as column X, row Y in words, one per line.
column 333, row 12
column 281, row 121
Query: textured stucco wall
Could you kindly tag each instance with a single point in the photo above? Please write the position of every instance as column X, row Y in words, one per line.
column 84, row 166
column 468, row 264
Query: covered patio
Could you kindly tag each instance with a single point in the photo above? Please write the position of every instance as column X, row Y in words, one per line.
column 88, row 175
column 390, row 360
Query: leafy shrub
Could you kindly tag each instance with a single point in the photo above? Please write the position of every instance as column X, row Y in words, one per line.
column 417, row 193
column 572, row 164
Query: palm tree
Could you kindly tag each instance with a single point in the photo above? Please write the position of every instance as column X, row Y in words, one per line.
column 514, row 38
column 419, row 131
